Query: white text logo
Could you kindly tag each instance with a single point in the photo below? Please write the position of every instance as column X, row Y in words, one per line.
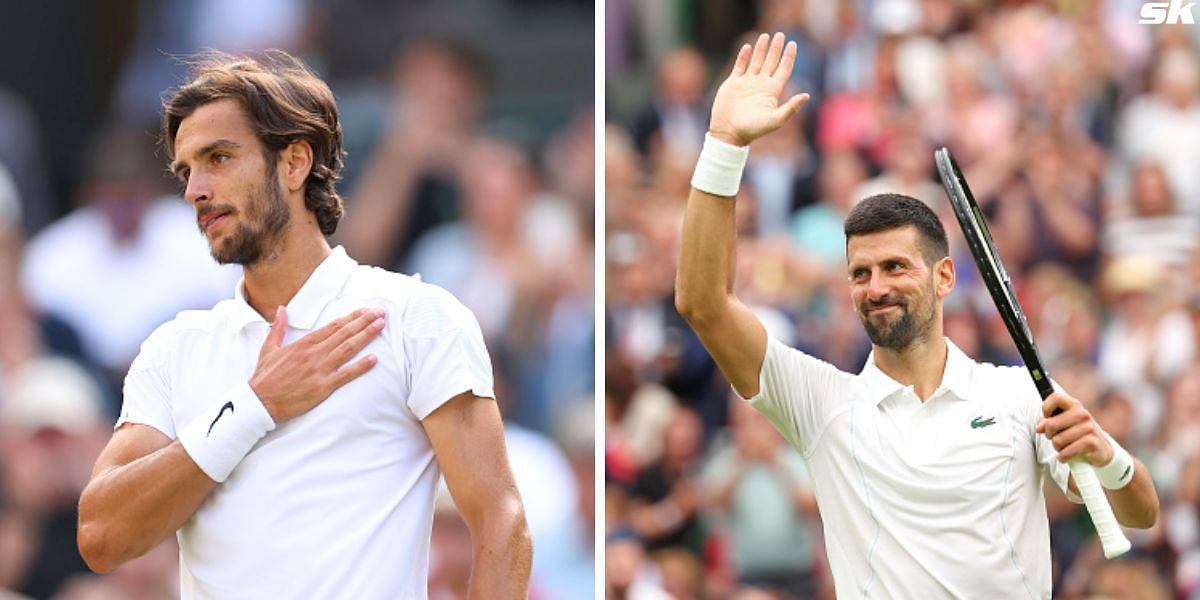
column 1169, row 13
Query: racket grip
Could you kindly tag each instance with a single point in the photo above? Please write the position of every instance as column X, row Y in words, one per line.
column 1111, row 537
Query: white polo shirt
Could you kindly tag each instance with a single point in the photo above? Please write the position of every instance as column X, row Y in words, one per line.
column 940, row 499
column 338, row 502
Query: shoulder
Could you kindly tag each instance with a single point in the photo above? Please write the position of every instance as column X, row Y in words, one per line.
column 176, row 335
column 989, row 373
column 789, row 358
column 1004, row 385
column 424, row 308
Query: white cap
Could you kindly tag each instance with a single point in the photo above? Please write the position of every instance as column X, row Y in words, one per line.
column 51, row 393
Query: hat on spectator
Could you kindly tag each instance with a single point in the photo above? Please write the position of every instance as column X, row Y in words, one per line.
column 1131, row 274
column 50, row 393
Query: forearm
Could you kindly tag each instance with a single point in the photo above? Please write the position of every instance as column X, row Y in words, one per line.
column 129, row 509
column 1136, row 505
column 1073, row 229
column 503, row 555
column 704, row 282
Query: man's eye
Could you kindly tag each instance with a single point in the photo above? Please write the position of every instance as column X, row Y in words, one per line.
column 219, row 157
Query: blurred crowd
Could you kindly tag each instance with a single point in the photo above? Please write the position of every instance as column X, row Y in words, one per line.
column 465, row 166
column 1079, row 131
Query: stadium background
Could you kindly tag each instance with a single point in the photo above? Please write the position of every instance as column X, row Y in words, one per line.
column 466, row 163
column 1079, row 130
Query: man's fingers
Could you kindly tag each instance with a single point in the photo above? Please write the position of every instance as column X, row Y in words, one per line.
column 743, row 60
column 789, row 108
column 784, row 70
column 322, row 333
column 278, row 329
column 356, row 342
column 774, row 51
column 760, row 54
column 1079, row 447
column 1070, row 435
column 1055, row 402
column 1051, row 426
column 344, row 327
column 351, row 371
column 351, row 329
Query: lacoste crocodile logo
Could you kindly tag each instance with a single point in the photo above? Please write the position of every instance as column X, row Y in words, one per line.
column 228, row 405
column 980, row 422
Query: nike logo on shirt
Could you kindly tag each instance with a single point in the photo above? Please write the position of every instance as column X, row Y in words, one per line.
column 228, row 405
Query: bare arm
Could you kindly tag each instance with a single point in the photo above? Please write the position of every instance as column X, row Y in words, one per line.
column 1074, row 433
column 143, row 489
column 468, row 438
column 145, row 486
column 746, row 107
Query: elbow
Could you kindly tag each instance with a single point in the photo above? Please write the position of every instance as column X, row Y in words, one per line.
column 1145, row 518
column 696, row 313
column 95, row 548
column 520, row 540
column 503, row 527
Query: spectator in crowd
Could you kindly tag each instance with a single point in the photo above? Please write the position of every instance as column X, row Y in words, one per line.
column 127, row 234
column 674, row 122
column 759, row 491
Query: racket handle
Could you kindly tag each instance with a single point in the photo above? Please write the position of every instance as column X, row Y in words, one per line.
column 1111, row 537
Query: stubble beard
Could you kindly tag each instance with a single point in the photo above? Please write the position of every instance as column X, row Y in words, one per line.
column 905, row 330
column 264, row 221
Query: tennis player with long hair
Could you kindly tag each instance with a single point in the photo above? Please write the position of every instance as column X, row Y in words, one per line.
column 928, row 466
column 293, row 436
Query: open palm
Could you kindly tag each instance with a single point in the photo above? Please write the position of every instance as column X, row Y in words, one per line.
column 747, row 104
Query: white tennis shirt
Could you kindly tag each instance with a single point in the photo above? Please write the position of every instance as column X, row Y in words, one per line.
column 940, row 499
column 338, row 502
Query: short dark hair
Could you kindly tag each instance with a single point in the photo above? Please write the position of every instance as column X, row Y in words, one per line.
column 882, row 212
column 285, row 103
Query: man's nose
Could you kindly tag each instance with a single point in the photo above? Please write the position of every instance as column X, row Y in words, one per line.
column 197, row 190
column 878, row 286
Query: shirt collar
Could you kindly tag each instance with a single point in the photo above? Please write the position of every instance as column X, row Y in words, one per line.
column 956, row 377
column 321, row 288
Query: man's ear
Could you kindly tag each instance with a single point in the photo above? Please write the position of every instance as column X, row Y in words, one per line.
column 943, row 271
column 295, row 163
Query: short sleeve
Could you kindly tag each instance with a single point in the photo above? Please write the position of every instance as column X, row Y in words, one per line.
column 796, row 392
column 445, row 352
column 147, row 391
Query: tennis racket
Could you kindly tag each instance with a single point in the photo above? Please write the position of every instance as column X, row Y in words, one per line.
column 1000, row 287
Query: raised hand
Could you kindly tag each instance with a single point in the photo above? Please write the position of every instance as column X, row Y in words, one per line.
column 290, row 380
column 747, row 104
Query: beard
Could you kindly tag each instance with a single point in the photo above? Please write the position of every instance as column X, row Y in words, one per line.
column 263, row 223
column 898, row 332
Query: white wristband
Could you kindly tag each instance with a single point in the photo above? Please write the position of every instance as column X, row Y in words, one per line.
column 222, row 434
column 719, row 170
column 1119, row 471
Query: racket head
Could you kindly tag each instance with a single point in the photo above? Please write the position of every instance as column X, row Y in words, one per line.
column 991, row 269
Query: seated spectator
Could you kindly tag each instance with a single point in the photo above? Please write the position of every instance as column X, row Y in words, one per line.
column 757, row 488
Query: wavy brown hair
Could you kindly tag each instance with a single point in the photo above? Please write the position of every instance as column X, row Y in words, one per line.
column 285, row 102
